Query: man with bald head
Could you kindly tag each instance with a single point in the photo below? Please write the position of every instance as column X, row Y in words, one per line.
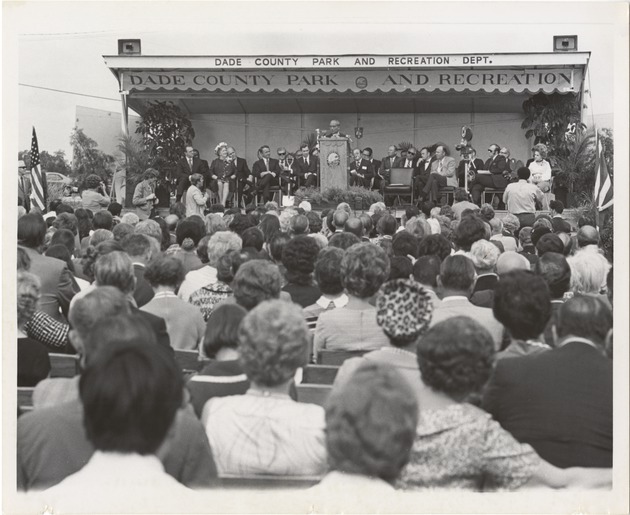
column 340, row 217
column 443, row 173
column 354, row 226
column 587, row 235
column 511, row 260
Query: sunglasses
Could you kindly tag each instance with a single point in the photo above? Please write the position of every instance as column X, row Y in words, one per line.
column 281, row 154
column 411, row 153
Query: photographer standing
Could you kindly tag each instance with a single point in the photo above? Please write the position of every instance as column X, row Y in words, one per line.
column 94, row 197
column 144, row 195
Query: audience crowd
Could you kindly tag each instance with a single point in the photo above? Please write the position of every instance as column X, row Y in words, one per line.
column 479, row 353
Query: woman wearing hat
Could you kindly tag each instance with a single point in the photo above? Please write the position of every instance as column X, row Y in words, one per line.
column 144, row 195
column 94, row 197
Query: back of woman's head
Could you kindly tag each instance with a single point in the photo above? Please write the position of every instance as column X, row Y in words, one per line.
column 364, row 268
column 222, row 329
column 31, row 230
column 298, row 257
column 371, row 423
column 188, row 229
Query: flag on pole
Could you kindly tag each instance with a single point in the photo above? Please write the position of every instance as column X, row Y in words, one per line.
column 38, row 181
column 603, row 194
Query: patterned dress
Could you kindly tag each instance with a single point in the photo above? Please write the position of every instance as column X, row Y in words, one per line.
column 207, row 297
column 462, row 447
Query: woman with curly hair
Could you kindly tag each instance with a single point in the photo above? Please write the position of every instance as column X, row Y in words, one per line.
column 33, row 361
column 94, row 197
column 460, row 446
column 144, row 195
column 222, row 173
column 264, row 431
column 364, row 268
column 540, row 168
column 298, row 257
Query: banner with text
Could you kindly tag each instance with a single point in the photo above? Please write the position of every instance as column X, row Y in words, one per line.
column 549, row 80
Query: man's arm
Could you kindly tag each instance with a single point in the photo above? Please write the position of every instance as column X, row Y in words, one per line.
column 450, row 168
column 45, row 329
column 65, row 290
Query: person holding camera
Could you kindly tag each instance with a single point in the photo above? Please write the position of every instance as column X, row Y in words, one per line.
column 94, row 197
column 144, row 195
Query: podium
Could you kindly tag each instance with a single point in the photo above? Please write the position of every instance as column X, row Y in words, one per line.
column 333, row 162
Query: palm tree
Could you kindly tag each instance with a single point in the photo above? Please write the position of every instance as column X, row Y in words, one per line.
column 577, row 165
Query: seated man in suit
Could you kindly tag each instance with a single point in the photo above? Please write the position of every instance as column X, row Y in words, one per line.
column 367, row 153
column 422, row 171
column 387, row 163
column 244, row 178
column 469, row 163
column 498, row 178
column 288, row 175
column 306, row 167
column 185, row 167
column 560, row 401
column 267, row 173
column 557, row 220
column 361, row 171
column 442, row 174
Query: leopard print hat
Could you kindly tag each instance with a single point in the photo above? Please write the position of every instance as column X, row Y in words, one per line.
column 403, row 308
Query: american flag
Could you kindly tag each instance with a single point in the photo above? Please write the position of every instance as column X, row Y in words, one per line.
column 38, row 181
column 603, row 194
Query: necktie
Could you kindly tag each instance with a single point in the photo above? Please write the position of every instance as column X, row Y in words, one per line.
column 267, row 164
column 331, row 305
column 440, row 168
column 190, row 163
column 307, row 161
column 408, row 164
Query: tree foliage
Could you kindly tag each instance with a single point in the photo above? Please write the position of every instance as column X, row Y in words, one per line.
column 87, row 159
column 165, row 131
column 55, row 162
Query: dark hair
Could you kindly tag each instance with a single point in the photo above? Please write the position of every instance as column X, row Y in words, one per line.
column 276, row 245
column 67, row 221
column 405, row 244
column 586, row 316
column 270, row 226
column 386, row 225
column 368, row 224
column 314, row 222
column 549, row 243
column 343, row 240
column 522, row 303
column 188, row 229
column 229, row 263
column 556, row 272
column 523, row 173
column 426, row 269
column 137, row 245
column 486, row 212
column 84, row 223
column 91, row 254
column 371, row 423
column 222, row 328
column 460, row 194
column 62, row 253
column 328, row 270
column 457, row 273
column 434, row 245
column 240, row 222
column 298, row 257
column 121, row 230
column 130, row 395
column 557, row 206
column 468, row 231
column 202, row 248
column 400, row 268
column 178, row 209
column 64, row 237
column 31, row 230
column 115, row 208
column 538, row 232
column 364, row 268
column 411, row 211
column 103, row 220
column 253, row 237
column 456, row 357
column 165, row 242
column 165, row 271
column 61, row 208
column 255, row 281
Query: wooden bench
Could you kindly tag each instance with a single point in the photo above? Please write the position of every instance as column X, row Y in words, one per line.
column 313, row 393
column 63, row 365
column 337, row 357
column 319, row 374
column 492, row 192
column 449, row 193
column 267, row 482
column 188, row 360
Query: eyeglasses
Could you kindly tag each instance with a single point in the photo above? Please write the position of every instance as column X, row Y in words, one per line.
column 281, row 154
column 411, row 153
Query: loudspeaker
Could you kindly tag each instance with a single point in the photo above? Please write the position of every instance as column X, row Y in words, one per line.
column 129, row 47
column 565, row 43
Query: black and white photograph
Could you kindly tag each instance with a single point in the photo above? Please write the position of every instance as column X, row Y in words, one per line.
column 315, row 257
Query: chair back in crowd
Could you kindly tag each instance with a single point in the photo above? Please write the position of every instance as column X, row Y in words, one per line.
column 25, row 399
column 337, row 357
column 267, row 482
column 188, row 361
column 63, row 365
column 313, row 393
column 401, row 184
column 319, row 374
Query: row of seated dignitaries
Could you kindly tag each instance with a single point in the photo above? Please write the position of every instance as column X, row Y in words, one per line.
column 455, row 329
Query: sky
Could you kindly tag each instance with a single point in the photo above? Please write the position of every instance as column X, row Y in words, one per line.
column 59, row 45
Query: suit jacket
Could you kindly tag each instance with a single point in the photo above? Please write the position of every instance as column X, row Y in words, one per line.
column 423, row 168
column 376, row 164
column 463, row 307
column 242, row 170
column 158, row 325
column 57, row 287
column 400, row 162
column 259, row 167
column 302, row 168
column 477, row 164
column 560, row 225
column 183, row 168
column 387, row 163
column 365, row 168
column 497, row 167
column 143, row 292
column 559, row 402
column 448, row 170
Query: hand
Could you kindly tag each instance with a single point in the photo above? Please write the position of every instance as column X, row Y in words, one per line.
column 272, row 174
column 215, row 177
column 150, row 197
column 353, row 172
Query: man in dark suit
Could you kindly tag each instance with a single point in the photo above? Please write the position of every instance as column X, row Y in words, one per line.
column 267, row 173
column 306, row 168
column 333, row 131
column 560, row 401
column 57, row 288
column 185, row 167
column 288, row 173
column 558, row 222
column 422, row 171
column 244, row 178
column 471, row 162
column 498, row 178
column 376, row 166
column 383, row 174
column 361, row 171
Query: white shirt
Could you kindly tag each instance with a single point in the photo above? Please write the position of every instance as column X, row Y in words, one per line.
column 196, row 279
